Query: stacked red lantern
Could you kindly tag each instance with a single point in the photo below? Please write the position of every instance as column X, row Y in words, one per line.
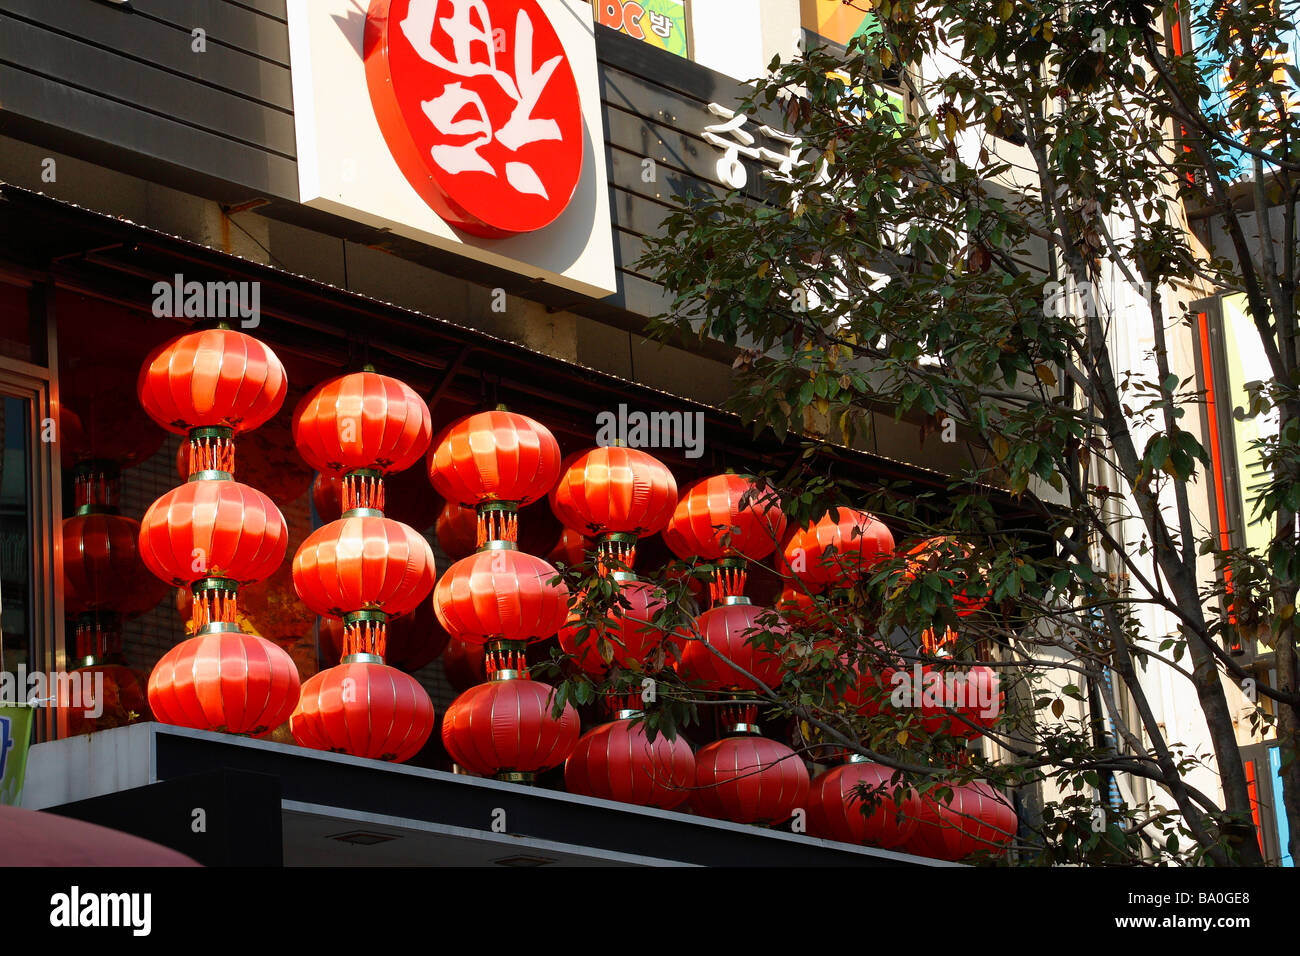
column 617, row 495
column 214, row 534
column 104, row 584
column 977, row 820
column 363, row 567
column 729, row 520
column 839, row 807
column 501, row 598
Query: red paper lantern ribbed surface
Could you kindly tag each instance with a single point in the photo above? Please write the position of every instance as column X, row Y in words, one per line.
column 977, row 820
column 362, row 421
column 102, row 569
column 836, row 805
column 503, row 594
column 749, row 779
column 215, row 377
column 495, row 456
column 225, row 681
column 973, row 693
column 218, row 528
column 505, row 726
column 730, row 629
column 617, row 761
column 710, row 523
column 367, row 562
column 367, row 710
column 838, row 548
column 630, row 632
column 614, row 490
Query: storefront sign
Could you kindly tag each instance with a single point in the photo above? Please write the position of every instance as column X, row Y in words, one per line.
column 15, row 734
column 470, row 125
column 661, row 23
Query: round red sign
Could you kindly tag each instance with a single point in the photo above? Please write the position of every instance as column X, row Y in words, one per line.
column 479, row 106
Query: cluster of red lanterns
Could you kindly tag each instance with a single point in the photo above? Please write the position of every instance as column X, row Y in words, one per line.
column 214, row 534
column 371, row 578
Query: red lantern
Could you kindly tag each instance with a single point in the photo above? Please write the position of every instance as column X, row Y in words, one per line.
column 494, row 456
column 120, row 700
column 212, row 378
column 224, row 681
column 100, row 420
column 457, row 530
column 501, row 594
column 749, row 779
column 505, row 728
column 973, row 693
column 363, row 563
column 629, row 631
column 617, row 761
column 413, row 641
column 837, row 549
column 710, row 522
column 978, row 820
column 102, row 570
column 729, row 629
column 933, row 554
column 213, row 529
column 801, row 609
column 571, row 549
column 365, row 709
column 836, row 807
column 362, row 421
column 614, row 490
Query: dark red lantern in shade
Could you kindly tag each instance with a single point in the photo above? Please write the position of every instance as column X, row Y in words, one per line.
column 100, row 420
column 571, row 549
column 837, row 549
column 630, row 632
column 105, row 696
column 615, row 495
column 839, row 810
column 102, row 569
column 937, row 555
column 749, row 779
column 618, row 761
column 501, row 593
column 978, row 820
column 505, row 728
column 366, row 709
column 457, row 530
column 730, row 629
column 225, row 681
column 363, row 563
column 414, row 640
column 362, row 421
column 958, row 698
column 494, row 456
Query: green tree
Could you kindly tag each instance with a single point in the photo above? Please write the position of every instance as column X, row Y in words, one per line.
column 968, row 289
